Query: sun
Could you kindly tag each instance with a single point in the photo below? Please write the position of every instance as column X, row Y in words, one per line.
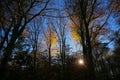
column 81, row 61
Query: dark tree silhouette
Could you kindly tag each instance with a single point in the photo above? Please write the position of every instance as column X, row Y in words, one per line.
column 15, row 15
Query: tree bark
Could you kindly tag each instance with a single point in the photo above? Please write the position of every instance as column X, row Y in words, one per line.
column 90, row 56
column 49, row 56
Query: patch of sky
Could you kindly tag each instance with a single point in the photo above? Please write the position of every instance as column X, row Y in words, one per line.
column 112, row 24
column 110, row 43
column 58, row 4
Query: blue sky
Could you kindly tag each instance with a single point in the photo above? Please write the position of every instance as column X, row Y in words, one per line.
column 112, row 25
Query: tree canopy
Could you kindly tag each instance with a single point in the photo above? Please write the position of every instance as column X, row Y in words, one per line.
column 59, row 39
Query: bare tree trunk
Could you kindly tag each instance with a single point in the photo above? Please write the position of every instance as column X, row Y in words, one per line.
column 49, row 56
column 90, row 56
column 5, row 59
column 35, row 59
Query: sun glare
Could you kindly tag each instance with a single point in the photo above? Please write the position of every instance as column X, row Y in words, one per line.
column 80, row 61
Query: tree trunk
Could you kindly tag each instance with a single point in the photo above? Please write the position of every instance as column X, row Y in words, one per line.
column 90, row 56
column 49, row 56
column 35, row 59
column 4, row 61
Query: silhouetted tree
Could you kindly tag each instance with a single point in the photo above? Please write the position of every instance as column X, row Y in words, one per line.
column 50, row 41
column 60, row 27
column 15, row 15
column 85, row 15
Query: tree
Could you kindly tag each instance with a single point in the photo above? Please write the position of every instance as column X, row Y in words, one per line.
column 84, row 15
column 15, row 15
column 60, row 27
column 22, row 59
column 115, row 7
column 115, row 58
column 34, row 38
column 50, row 40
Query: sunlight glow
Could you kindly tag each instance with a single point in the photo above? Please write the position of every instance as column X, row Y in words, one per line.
column 81, row 61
